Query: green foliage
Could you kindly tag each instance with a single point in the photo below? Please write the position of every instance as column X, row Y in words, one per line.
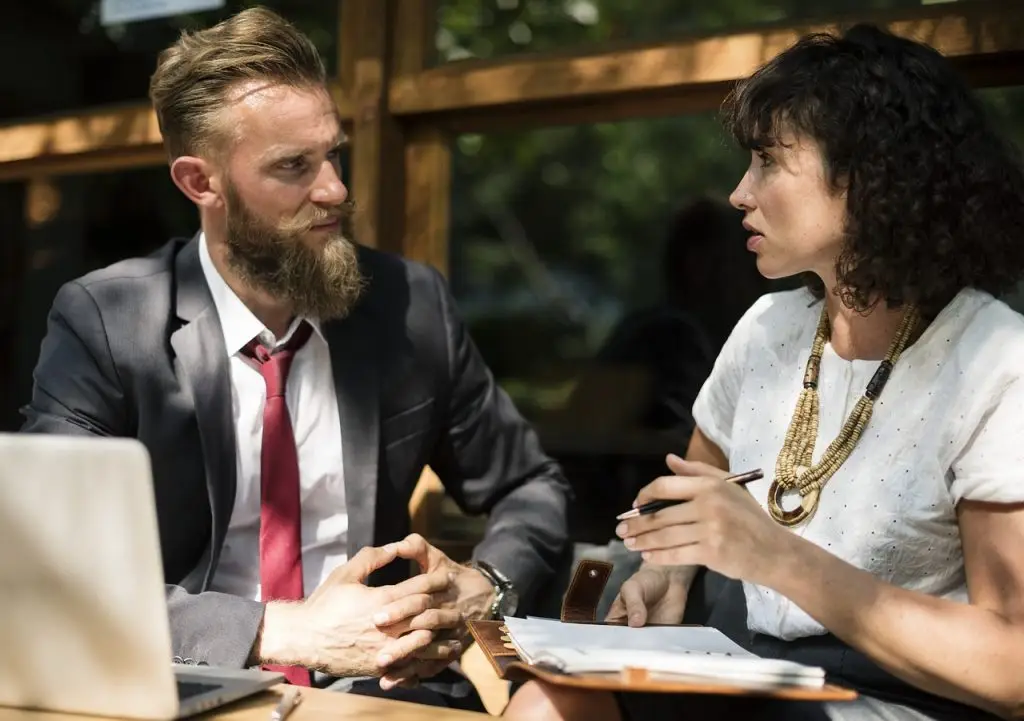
column 490, row 28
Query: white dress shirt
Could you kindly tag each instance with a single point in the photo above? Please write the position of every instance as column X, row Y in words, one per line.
column 313, row 407
column 947, row 427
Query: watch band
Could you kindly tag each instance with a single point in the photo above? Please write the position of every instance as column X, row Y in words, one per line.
column 502, row 586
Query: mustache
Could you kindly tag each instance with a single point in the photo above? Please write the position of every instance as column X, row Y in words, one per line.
column 317, row 215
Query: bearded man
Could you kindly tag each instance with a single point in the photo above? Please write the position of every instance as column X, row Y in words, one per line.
column 290, row 387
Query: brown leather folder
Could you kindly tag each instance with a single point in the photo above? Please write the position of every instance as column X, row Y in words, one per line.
column 579, row 605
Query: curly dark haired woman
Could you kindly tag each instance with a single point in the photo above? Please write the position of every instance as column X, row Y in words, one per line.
column 885, row 403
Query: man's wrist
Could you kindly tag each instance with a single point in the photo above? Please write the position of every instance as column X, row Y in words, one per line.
column 281, row 636
column 504, row 599
column 475, row 593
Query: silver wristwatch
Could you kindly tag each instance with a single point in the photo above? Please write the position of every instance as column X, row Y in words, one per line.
column 506, row 600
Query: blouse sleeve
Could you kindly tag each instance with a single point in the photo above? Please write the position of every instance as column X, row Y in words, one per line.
column 991, row 466
column 715, row 406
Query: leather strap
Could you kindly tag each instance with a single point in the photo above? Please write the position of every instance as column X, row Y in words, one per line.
column 579, row 605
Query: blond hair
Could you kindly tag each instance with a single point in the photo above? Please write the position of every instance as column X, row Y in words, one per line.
column 194, row 76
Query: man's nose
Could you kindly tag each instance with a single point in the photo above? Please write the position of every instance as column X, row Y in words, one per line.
column 329, row 188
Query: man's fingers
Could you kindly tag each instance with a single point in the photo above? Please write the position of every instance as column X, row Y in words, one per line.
column 390, row 681
column 403, row 679
column 401, row 648
column 400, row 611
column 426, row 618
column 428, row 583
column 408, row 675
column 368, row 560
column 435, row 619
column 403, row 675
column 440, row 651
column 633, row 601
column 418, row 644
column 414, row 547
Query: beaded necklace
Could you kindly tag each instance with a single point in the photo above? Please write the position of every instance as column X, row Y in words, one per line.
column 794, row 470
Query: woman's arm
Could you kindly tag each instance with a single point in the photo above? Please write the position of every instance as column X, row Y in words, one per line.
column 703, row 450
column 972, row 653
column 969, row 652
column 658, row 593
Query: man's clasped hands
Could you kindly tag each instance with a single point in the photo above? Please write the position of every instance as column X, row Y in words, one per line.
column 400, row 633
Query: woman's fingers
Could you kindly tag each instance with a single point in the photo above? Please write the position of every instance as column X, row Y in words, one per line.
column 684, row 513
column 668, row 537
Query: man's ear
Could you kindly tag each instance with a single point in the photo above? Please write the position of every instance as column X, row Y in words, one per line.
column 197, row 179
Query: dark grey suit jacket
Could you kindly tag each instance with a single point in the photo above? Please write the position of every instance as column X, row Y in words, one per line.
column 136, row 350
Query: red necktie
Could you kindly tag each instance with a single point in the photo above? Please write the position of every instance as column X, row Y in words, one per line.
column 280, row 517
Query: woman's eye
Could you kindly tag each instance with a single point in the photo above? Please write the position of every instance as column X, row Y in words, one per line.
column 766, row 160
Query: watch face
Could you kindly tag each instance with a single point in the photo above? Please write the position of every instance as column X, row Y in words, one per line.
column 508, row 603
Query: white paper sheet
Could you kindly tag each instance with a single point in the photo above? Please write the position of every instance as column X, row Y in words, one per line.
column 678, row 650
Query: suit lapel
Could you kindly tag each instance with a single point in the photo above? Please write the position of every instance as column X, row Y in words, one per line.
column 199, row 347
column 355, row 383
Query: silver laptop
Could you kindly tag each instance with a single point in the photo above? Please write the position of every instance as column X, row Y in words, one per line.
column 83, row 617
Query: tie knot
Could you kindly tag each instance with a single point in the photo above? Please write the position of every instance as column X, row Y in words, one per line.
column 275, row 363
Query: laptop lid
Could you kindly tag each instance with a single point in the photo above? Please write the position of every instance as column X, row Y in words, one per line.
column 83, row 616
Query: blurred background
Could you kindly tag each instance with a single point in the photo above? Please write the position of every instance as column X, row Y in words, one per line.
column 560, row 160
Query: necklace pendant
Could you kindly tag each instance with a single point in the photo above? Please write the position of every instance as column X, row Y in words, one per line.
column 808, row 505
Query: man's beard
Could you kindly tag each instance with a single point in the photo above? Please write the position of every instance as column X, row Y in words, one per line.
column 322, row 283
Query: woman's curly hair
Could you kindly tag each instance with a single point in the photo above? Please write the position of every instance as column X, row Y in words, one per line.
column 935, row 197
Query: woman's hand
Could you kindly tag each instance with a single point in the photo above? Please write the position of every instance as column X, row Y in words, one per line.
column 719, row 526
column 654, row 594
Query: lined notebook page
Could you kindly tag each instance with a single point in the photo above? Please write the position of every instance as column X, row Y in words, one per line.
column 696, row 651
column 534, row 634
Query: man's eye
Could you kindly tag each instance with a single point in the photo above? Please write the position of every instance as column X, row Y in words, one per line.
column 766, row 160
column 293, row 164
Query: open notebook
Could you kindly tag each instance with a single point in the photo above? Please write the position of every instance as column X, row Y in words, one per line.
column 690, row 651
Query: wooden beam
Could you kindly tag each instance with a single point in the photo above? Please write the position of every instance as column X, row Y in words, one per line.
column 422, row 235
column 375, row 183
column 132, row 126
column 981, row 71
column 964, row 30
column 106, row 139
column 610, row 109
column 107, row 161
column 414, row 31
column 428, row 169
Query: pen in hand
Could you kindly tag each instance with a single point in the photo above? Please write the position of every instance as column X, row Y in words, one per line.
column 740, row 478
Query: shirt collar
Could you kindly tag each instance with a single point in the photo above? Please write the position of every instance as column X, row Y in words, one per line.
column 237, row 322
